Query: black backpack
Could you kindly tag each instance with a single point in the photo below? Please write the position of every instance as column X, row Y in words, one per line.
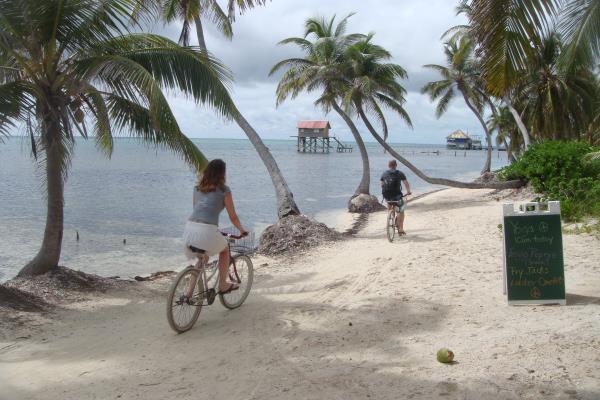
column 391, row 185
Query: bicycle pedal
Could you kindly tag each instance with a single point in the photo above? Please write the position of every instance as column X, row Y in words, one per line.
column 211, row 294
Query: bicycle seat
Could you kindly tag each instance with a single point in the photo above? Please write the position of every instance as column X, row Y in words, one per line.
column 196, row 250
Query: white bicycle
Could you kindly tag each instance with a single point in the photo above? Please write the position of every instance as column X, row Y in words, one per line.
column 196, row 286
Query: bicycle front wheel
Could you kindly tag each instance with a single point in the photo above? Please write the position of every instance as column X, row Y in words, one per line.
column 241, row 272
column 185, row 299
column 391, row 226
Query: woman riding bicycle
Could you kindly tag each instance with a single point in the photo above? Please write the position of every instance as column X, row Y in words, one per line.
column 211, row 195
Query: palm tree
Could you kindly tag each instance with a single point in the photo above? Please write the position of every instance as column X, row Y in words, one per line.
column 505, row 29
column 71, row 67
column 372, row 83
column 322, row 70
column 193, row 12
column 502, row 122
column 460, row 75
column 559, row 103
column 366, row 80
column 334, row 78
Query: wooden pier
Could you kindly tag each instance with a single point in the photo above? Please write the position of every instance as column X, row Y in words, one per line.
column 321, row 145
column 341, row 147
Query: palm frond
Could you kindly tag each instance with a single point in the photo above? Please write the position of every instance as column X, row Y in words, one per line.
column 242, row 6
column 213, row 11
column 194, row 73
column 149, row 126
column 394, row 105
column 580, row 26
column 290, row 63
column 16, row 104
column 503, row 30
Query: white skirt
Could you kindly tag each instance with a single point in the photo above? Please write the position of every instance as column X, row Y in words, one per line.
column 203, row 236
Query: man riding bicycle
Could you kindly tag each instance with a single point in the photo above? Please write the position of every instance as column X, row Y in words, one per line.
column 391, row 188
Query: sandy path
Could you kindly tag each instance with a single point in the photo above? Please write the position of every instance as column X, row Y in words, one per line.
column 357, row 319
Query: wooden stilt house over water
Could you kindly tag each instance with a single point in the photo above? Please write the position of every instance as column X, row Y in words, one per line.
column 313, row 137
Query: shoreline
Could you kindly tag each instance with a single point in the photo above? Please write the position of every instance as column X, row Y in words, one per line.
column 136, row 174
column 338, row 219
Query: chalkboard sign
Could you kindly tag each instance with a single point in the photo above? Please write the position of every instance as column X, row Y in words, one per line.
column 533, row 254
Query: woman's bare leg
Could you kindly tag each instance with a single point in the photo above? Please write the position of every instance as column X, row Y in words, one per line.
column 223, row 269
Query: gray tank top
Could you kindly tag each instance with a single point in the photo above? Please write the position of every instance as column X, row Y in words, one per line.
column 208, row 206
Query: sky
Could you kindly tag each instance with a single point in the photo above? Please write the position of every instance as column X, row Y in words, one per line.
column 409, row 29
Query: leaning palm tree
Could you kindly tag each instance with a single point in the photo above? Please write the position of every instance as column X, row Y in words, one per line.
column 370, row 85
column 194, row 12
column 322, row 70
column 71, row 67
column 460, row 75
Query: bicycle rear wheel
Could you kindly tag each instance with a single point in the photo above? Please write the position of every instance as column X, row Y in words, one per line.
column 241, row 272
column 391, row 225
column 182, row 309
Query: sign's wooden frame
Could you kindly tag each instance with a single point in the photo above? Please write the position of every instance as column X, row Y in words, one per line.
column 531, row 208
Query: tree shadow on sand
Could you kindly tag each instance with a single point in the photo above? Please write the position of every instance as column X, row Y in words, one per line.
column 576, row 299
column 316, row 345
column 413, row 235
column 444, row 205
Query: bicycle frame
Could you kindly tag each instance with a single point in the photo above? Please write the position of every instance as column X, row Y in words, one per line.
column 202, row 263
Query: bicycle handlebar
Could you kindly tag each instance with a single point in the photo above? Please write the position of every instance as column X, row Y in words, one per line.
column 235, row 237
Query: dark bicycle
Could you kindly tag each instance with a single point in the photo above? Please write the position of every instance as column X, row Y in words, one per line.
column 391, row 219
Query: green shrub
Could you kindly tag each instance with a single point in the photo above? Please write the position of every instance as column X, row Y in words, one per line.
column 559, row 171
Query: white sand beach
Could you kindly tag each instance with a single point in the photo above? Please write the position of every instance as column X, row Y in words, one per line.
column 356, row 319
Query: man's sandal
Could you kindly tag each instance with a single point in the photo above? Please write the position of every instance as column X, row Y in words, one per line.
column 231, row 288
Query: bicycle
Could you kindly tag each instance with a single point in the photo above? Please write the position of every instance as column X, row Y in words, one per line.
column 391, row 219
column 190, row 291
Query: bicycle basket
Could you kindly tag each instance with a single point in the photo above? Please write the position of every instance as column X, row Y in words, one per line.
column 245, row 245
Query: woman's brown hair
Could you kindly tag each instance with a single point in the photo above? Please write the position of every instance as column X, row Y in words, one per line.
column 213, row 177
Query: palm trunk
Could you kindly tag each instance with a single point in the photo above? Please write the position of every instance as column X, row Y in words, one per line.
column 519, row 121
column 49, row 254
column 434, row 181
column 509, row 153
column 365, row 182
column 200, row 33
column 285, row 199
column 488, row 137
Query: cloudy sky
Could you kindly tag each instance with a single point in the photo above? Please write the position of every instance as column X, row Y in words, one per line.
column 409, row 29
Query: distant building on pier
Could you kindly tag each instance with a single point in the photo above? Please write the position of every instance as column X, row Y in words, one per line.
column 318, row 129
column 313, row 137
column 458, row 140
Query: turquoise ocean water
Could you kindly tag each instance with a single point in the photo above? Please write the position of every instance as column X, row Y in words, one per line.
column 144, row 195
